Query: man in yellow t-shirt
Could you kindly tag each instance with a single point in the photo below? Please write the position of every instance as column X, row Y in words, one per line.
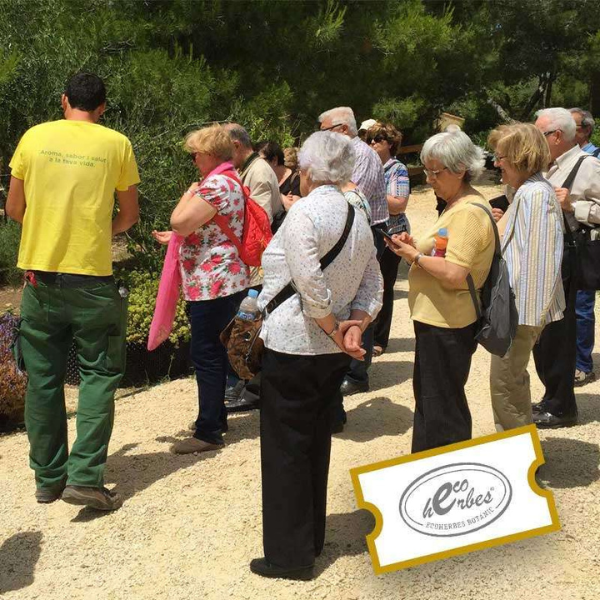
column 62, row 190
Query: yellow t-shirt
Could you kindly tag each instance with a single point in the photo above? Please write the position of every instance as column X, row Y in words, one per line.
column 71, row 170
column 470, row 245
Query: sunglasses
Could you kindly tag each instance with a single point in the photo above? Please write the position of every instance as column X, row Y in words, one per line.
column 193, row 156
column 378, row 139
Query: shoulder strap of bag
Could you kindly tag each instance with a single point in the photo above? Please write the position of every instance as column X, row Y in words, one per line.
column 288, row 291
column 568, row 182
column 221, row 221
column 497, row 252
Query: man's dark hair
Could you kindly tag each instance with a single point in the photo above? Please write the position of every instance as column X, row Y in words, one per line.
column 85, row 91
column 272, row 150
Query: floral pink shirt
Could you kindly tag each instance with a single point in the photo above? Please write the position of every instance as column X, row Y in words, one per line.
column 210, row 265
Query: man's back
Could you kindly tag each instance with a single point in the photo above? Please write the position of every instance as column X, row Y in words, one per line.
column 70, row 170
column 369, row 177
column 264, row 187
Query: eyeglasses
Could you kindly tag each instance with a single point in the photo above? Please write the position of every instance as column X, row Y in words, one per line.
column 332, row 127
column 431, row 173
column 498, row 158
column 547, row 133
column 378, row 139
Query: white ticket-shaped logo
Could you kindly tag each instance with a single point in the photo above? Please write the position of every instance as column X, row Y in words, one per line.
column 455, row 499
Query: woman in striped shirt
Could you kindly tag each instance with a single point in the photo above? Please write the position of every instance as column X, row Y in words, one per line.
column 385, row 139
column 532, row 245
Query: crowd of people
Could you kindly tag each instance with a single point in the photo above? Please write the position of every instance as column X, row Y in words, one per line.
column 339, row 200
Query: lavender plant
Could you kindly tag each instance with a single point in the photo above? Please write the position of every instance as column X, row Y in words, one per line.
column 13, row 383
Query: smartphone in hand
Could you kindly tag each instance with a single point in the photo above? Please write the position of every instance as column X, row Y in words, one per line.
column 387, row 236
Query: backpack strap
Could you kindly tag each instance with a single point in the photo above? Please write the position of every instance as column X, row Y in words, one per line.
column 288, row 291
column 567, row 183
column 497, row 252
column 221, row 221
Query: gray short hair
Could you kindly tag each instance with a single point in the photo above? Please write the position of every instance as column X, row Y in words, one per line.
column 327, row 157
column 587, row 120
column 560, row 118
column 343, row 115
column 456, row 152
column 238, row 133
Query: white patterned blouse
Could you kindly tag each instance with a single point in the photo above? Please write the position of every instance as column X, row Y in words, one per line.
column 312, row 227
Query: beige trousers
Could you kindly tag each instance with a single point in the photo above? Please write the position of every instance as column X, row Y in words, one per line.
column 509, row 381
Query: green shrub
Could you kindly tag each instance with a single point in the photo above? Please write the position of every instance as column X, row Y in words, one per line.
column 143, row 287
column 10, row 235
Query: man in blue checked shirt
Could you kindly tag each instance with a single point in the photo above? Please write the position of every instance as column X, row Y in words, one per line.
column 369, row 178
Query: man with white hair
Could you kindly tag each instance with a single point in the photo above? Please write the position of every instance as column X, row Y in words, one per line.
column 369, row 178
column 555, row 353
column 586, row 299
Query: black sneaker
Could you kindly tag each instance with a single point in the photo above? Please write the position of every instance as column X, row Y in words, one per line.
column 233, row 392
column 98, row 498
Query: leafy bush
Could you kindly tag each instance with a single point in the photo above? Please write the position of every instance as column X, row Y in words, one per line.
column 10, row 235
column 13, row 383
column 143, row 287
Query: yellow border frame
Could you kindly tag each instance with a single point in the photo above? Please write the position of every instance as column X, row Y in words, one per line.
column 555, row 526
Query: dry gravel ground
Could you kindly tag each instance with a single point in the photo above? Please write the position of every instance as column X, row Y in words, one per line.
column 191, row 524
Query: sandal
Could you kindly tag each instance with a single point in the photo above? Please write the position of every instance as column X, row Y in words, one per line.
column 378, row 351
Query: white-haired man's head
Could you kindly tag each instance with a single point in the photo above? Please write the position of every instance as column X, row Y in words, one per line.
column 340, row 120
column 558, row 127
column 326, row 158
column 584, row 125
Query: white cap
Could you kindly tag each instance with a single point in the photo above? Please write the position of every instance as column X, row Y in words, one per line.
column 367, row 124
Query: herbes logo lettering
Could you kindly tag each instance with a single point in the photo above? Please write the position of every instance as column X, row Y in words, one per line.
column 455, row 499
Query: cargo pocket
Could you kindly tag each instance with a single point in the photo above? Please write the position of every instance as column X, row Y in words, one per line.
column 116, row 347
column 115, row 354
column 16, row 348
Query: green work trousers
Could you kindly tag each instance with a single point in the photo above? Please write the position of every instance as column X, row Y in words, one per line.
column 95, row 316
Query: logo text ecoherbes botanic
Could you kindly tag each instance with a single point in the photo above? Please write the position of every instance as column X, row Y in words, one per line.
column 455, row 499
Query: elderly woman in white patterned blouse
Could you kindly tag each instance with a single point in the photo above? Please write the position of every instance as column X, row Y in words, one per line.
column 309, row 341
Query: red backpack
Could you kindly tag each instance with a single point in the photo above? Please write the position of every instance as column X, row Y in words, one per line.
column 257, row 229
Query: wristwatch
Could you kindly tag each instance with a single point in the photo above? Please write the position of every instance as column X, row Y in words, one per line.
column 335, row 329
column 418, row 257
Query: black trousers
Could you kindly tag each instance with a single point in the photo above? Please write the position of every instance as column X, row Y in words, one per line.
column 556, row 351
column 442, row 365
column 389, row 264
column 297, row 402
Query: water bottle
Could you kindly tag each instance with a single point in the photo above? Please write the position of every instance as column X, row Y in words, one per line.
column 440, row 242
column 248, row 310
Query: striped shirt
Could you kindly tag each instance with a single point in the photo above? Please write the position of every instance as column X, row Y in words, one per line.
column 397, row 184
column 368, row 176
column 532, row 246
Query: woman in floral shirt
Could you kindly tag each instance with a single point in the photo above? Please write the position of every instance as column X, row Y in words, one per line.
column 214, row 278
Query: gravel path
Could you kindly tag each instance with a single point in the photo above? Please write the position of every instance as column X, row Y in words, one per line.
column 191, row 524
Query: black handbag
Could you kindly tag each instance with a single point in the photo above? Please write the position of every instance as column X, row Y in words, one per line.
column 587, row 249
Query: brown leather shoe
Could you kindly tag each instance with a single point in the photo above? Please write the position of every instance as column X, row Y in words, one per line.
column 46, row 495
column 192, row 445
column 98, row 498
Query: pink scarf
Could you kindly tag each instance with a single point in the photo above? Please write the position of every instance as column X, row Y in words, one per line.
column 170, row 284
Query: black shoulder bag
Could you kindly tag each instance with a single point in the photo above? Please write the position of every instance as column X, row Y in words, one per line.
column 587, row 249
column 241, row 338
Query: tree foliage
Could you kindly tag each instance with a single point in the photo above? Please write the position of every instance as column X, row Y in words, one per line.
column 274, row 66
